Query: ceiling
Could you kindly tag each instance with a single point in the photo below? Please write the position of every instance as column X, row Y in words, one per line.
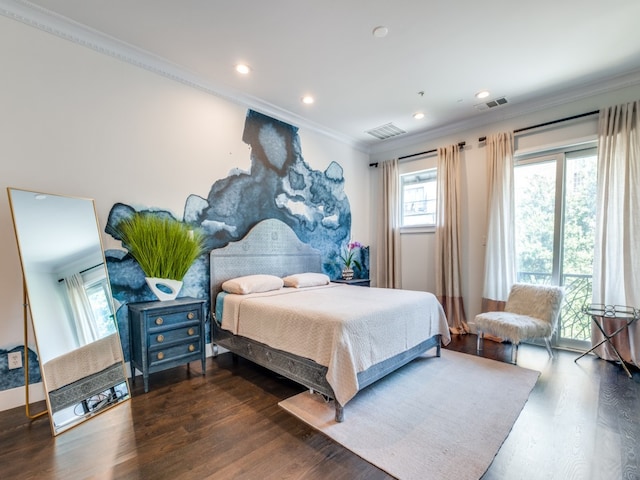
column 526, row 52
column 55, row 231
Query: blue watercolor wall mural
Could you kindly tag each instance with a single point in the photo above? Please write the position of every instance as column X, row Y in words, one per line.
column 13, row 378
column 279, row 184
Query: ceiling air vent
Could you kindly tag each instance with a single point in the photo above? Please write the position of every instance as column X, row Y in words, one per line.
column 496, row 102
column 386, row 131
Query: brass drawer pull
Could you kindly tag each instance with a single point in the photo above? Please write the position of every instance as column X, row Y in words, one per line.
column 160, row 338
column 192, row 348
column 160, row 355
column 190, row 315
column 191, row 331
column 159, row 321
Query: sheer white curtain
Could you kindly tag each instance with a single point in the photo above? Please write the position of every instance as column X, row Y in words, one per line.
column 500, row 256
column 616, row 270
column 388, row 255
column 447, row 238
column 83, row 319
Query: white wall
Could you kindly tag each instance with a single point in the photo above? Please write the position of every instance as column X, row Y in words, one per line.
column 76, row 122
column 418, row 248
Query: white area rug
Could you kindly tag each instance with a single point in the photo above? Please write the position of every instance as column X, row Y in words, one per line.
column 436, row 418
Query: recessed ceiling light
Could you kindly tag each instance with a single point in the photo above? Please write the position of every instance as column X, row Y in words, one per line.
column 243, row 69
column 307, row 99
column 418, row 115
column 380, row 31
column 482, row 94
column 40, row 196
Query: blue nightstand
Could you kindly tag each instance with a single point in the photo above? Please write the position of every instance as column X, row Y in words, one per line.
column 359, row 282
column 165, row 334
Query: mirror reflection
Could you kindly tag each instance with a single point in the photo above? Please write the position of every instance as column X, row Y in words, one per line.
column 71, row 307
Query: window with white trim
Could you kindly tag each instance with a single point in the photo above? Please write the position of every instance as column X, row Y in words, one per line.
column 418, row 198
column 98, row 295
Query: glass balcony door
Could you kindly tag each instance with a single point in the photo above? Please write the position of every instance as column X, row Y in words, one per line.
column 555, row 225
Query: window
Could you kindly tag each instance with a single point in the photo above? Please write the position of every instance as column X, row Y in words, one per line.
column 98, row 295
column 418, row 191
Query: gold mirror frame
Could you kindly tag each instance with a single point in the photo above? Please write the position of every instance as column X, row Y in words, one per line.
column 25, row 322
column 77, row 340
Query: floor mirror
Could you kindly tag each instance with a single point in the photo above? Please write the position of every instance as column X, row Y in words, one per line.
column 68, row 295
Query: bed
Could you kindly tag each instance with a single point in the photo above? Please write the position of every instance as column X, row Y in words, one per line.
column 282, row 328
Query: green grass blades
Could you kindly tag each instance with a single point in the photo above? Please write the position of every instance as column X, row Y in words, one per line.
column 163, row 247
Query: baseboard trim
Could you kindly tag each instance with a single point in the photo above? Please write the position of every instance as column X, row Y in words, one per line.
column 15, row 397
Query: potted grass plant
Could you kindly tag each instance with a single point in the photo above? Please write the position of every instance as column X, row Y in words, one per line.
column 164, row 248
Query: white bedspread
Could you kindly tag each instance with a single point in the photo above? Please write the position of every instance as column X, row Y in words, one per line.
column 83, row 362
column 345, row 328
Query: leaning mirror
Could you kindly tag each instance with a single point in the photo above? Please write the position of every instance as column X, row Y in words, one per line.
column 69, row 297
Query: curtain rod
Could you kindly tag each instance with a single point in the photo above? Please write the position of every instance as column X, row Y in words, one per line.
column 566, row 119
column 434, row 150
column 83, row 271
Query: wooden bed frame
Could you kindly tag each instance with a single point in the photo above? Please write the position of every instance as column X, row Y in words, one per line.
column 271, row 247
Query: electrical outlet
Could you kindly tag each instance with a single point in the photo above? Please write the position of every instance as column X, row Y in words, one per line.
column 15, row 360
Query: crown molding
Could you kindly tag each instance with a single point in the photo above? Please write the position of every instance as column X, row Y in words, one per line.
column 485, row 119
column 63, row 27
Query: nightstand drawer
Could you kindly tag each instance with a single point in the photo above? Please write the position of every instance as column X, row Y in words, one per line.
column 169, row 353
column 170, row 318
column 164, row 337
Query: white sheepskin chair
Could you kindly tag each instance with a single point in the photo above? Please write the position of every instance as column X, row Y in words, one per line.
column 531, row 312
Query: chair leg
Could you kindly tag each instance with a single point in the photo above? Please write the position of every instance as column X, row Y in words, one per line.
column 548, row 343
column 514, row 353
column 480, row 341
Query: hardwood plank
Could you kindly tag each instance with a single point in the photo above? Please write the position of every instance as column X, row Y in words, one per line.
column 581, row 421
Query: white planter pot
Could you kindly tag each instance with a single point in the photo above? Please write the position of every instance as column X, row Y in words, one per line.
column 347, row 273
column 164, row 288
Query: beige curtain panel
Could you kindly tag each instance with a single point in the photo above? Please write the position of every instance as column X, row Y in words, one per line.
column 447, row 238
column 388, row 254
column 500, row 256
column 86, row 328
column 616, row 269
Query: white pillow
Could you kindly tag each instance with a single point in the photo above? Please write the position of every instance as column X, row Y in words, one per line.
column 252, row 284
column 301, row 280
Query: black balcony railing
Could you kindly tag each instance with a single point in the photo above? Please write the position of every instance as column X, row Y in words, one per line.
column 573, row 323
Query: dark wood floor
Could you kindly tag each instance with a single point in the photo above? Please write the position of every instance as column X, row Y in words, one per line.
column 582, row 421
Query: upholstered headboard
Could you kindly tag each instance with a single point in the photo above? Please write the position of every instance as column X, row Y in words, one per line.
column 270, row 247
